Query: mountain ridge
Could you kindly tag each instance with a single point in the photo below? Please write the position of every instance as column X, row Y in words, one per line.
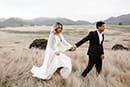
column 17, row 22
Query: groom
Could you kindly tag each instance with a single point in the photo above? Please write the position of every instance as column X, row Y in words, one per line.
column 95, row 51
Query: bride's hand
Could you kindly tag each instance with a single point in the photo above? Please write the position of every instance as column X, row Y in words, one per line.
column 72, row 49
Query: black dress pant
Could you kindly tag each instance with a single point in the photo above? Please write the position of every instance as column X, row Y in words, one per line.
column 93, row 60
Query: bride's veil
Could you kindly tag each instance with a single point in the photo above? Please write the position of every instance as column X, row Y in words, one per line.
column 49, row 50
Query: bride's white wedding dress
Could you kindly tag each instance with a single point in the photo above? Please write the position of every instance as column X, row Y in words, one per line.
column 52, row 61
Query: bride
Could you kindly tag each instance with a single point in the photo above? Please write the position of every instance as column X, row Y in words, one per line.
column 55, row 61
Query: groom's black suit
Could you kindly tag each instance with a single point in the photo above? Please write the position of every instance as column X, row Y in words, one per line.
column 95, row 51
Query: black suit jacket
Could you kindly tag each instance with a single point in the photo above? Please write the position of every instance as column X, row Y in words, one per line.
column 94, row 47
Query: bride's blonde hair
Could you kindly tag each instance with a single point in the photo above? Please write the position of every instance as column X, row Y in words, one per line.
column 58, row 23
column 53, row 30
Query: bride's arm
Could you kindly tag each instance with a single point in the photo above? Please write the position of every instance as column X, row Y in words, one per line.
column 68, row 45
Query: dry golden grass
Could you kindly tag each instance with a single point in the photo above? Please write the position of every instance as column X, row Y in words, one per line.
column 16, row 59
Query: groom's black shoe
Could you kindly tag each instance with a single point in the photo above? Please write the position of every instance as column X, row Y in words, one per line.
column 83, row 74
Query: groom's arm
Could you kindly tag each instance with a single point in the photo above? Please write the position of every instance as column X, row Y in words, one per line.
column 88, row 37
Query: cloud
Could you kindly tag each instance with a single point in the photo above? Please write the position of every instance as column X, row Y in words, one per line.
column 74, row 9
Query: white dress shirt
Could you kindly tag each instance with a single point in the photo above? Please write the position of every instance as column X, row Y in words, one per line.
column 100, row 36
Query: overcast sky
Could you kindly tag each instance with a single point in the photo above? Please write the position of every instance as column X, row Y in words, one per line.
column 89, row 10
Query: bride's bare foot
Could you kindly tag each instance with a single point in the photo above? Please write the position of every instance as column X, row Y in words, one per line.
column 57, row 73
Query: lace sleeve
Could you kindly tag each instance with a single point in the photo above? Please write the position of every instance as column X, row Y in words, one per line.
column 67, row 45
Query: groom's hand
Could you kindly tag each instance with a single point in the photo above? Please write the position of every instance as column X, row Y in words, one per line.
column 74, row 48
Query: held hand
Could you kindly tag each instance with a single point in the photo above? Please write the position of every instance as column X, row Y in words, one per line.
column 72, row 49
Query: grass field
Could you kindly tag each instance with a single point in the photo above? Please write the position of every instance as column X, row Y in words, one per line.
column 16, row 59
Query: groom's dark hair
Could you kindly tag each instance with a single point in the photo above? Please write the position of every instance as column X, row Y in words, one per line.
column 99, row 24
